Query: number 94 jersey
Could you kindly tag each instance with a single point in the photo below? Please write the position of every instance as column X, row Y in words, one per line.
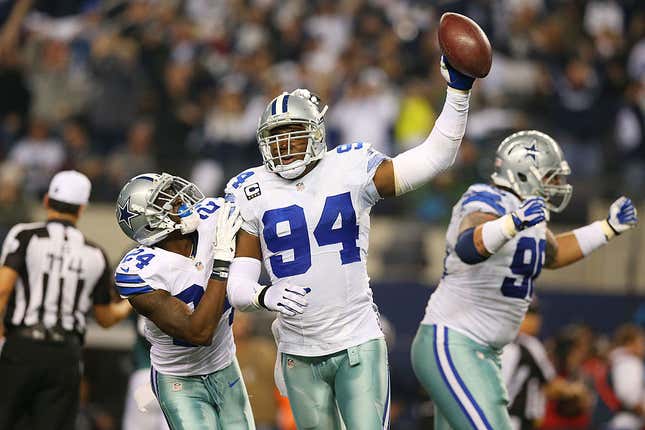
column 149, row 268
column 313, row 233
column 487, row 301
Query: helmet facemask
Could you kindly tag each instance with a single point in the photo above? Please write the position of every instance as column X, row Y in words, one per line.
column 172, row 199
column 277, row 153
column 555, row 190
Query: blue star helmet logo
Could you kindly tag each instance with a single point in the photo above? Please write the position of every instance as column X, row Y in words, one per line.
column 125, row 215
column 531, row 151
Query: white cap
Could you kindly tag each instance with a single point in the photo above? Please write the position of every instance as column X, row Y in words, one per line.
column 70, row 186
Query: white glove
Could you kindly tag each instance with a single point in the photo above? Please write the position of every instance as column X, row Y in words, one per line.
column 228, row 223
column 622, row 215
column 532, row 212
column 285, row 298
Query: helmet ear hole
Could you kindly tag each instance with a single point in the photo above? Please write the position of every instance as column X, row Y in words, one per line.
column 522, row 177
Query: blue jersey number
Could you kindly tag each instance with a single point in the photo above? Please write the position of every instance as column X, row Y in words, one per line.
column 143, row 259
column 285, row 229
column 528, row 270
column 207, row 209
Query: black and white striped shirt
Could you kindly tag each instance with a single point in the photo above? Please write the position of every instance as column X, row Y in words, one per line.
column 526, row 369
column 61, row 275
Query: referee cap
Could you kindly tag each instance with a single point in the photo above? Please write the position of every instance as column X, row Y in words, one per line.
column 70, row 186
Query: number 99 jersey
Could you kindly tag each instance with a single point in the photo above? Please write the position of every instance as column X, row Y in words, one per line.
column 314, row 233
column 149, row 268
column 487, row 301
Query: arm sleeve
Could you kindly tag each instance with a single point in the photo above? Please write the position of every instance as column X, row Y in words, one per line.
column 101, row 292
column 418, row 165
column 242, row 286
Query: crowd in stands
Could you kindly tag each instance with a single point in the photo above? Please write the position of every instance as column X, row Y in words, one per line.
column 115, row 88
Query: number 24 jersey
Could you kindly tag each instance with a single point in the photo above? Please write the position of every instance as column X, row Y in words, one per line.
column 149, row 268
column 313, row 233
column 487, row 301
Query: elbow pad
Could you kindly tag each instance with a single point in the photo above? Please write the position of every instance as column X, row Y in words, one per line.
column 418, row 165
column 466, row 250
column 242, row 287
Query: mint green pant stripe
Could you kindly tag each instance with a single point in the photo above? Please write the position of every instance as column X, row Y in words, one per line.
column 463, row 379
column 348, row 389
column 217, row 401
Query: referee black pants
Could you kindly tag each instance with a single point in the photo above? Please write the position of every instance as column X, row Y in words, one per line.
column 39, row 384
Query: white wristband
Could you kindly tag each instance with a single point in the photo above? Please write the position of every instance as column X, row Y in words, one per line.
column 590, row 237
column 497, row 232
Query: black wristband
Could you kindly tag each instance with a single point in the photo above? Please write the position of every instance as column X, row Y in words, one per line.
column 612, row 227
column 261, row 297
column 220, row 270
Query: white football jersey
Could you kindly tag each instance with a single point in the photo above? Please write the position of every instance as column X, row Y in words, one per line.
column 314, row 233
column 146, row 269
column 487, row 301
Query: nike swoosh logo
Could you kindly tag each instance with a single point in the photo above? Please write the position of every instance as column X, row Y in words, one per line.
column 124, row 269
column 230, row 384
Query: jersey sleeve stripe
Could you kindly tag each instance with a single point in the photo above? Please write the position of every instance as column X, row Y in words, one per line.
column 131, row 291
column 490, row 199
column 124, row 278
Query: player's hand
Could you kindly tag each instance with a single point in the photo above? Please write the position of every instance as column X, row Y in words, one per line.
column 285, row 298
column 455, row 78
column 228, row 223
column 532, row 212
column 622, row 215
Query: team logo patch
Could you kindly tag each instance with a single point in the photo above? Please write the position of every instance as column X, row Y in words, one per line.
column 199, row 265
column 300, row 186
column 177, row 386
column 252, row 191
column 290, row 363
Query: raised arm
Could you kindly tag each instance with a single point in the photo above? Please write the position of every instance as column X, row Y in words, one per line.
column 415, row 167
column 567, row 248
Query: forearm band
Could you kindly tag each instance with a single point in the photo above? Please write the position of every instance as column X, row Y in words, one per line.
column 590, row 237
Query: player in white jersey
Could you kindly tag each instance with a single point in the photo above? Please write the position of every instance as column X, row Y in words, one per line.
column 176, row 279
column 306, row 216
column 496, row 245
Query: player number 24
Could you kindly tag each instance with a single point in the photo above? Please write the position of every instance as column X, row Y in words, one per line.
column 296, row 237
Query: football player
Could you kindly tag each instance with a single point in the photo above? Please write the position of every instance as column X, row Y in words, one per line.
column 176, row 279
column 497, row 244
column 306, row 217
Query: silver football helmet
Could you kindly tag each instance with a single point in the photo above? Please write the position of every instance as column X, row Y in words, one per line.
column 299, row 107
column 531, row 163
column 147, row 203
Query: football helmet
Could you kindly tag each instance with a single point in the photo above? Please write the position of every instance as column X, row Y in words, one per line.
column 531, row 163
column 299, row 107
column 147, row 204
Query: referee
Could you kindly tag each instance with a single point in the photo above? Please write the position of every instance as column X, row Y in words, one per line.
column 51, row 276
column 527, row 371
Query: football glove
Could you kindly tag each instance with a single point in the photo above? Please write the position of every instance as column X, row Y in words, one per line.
column 285, row 298
column 622, row 215
column 455, row 78
column 228, row 223
column 532, row 212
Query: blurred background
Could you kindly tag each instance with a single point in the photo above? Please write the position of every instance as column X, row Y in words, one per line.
column 117, row 88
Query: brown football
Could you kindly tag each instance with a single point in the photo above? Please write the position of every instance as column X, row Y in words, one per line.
column 465, row 45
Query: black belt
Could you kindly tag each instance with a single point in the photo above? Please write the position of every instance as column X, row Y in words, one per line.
column 39, row 332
